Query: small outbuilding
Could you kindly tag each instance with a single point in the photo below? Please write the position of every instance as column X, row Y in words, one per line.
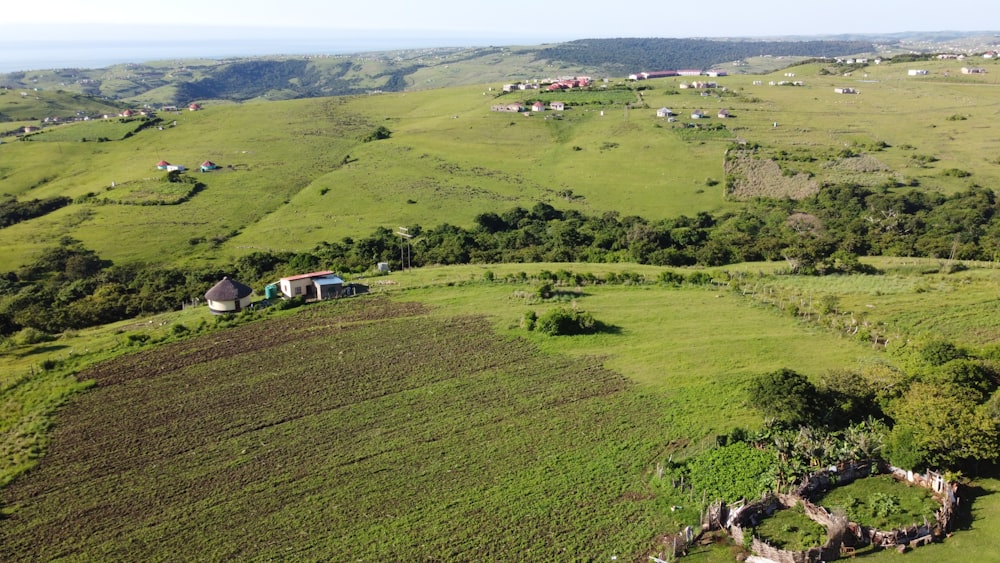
column 314, row 285
column 208, row 165
column 228, row 296
column 162, row 165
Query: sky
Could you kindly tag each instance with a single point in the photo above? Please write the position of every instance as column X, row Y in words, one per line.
column 533, row 21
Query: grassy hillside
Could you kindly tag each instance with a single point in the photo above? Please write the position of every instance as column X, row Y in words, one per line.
column 511, row 440
column 457, row 433
column 297, row 173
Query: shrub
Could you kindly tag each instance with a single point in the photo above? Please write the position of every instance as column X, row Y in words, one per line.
column 381, row 132
column 29, row 336
column 565, row 322
column 545, row 291
column 528, row 320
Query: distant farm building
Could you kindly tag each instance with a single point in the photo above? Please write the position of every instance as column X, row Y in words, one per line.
column 845, row 90
column 916, row 72
column 557, row 106
column 228, row 296
column 538, row 106
column 664, row 112
column 314, row 285
column 208, row 165
column 973, row 70
column 194, row 107
column 162, row 165
column 651, row 75
column 724, row 114
column 689, row 72
column 698, row 114
column 126, row 113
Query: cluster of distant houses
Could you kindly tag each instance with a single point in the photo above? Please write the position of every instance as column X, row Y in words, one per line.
column 84, row 116
column 518, row 107
column 669, row 73
column 696, row 114
column 550, row 84
column 230, row 296
column 206, row 166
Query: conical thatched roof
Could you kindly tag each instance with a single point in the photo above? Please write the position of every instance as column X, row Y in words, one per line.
column 228, row 290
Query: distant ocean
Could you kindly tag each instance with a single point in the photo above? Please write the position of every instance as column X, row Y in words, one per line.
column 86, row 53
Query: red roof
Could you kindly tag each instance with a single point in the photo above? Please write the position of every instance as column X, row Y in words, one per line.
column 163, row 163
column 309, row 275
column 208, row 163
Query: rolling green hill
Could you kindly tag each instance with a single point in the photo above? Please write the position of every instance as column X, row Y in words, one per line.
column 297, row 173
column 286, row 77
column 427, row 420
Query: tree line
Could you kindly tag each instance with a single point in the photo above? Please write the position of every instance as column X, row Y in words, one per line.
column 69, row 286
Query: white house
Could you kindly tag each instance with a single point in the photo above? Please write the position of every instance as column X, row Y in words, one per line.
column 228, row 296
column 314, row 285
column 557, row 106
column 664, row 112
column 916, row 72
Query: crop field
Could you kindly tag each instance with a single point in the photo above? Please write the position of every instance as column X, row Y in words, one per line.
column 345, row 438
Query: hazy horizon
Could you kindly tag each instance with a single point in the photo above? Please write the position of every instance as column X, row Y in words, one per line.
column 24, row 48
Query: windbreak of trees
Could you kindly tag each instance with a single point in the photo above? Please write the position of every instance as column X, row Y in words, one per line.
column 13, row 211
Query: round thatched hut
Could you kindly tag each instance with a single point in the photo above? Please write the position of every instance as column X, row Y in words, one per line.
column 228, row 296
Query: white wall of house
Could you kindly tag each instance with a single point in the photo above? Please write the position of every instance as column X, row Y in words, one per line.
column 229, row 306
column 294, row 288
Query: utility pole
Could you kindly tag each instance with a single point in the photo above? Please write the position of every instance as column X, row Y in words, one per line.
column 404, row 239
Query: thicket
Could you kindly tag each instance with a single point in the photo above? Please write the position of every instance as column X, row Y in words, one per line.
column 822, row 234
column 632, row 54
column 939, row 413
column 13, row 211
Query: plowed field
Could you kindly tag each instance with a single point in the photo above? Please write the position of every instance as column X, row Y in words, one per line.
column 352, row 430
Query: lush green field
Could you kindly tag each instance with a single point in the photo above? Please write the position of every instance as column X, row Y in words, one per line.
column 302, row 175
column 449, row 413
column 556, row 442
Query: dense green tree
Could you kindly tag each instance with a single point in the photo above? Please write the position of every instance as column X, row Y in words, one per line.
column 942, row 426
column 785, row 396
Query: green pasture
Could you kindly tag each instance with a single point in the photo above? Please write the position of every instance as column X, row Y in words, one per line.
column 685, row 354
column 914, row 299
column 696, row 346
column 93, row 130
column 36, row 105
column 301, row 175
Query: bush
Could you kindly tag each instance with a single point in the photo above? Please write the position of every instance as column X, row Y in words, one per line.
column 528, row 320
column 566, row 322
column 29, row 336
